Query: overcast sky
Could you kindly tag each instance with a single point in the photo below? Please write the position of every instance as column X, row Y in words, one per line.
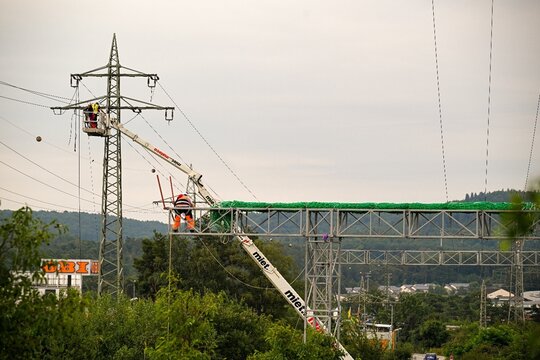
column 303, row 100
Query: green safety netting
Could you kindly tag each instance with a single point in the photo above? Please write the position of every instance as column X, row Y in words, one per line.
column 223, row 218
column 372, row 205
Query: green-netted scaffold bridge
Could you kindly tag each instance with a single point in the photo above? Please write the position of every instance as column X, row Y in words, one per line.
column 349, row 222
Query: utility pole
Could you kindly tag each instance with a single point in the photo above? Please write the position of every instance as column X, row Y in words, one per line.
column 111, row 273
column 483, row 307
column 364, row 288
column 519, row 312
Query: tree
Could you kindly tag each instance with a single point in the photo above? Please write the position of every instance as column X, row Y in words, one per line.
column 286, row 344
column 22, row 330
column 432, row 333
column 152, row 266
column 205, row 264
column 410, row 312
column 522, row 222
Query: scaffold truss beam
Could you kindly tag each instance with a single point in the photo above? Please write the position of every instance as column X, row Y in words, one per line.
column 359, row 223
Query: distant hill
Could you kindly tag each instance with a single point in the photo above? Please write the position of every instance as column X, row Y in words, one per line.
column 68, row 245
column 91, row 224
column 493, row 196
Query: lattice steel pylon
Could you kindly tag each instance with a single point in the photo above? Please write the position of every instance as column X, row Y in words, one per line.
column 111, row 275
column 323, row 275
column 483, row 305
column 519, row 312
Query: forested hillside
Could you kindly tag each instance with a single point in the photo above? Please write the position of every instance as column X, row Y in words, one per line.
column 91, row 224
column 69, row 245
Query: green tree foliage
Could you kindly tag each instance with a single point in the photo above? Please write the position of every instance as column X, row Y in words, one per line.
column 208, row 326
column 207, row 264
column 432, row 334
column 521, row 222
column 21, row 328
column 152, row 266
column 403, row 351
column 358, row 344
column 362, row 345
column 286, row 344
column 495, row 342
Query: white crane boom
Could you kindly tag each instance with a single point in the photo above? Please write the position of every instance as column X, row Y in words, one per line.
column 271, row 273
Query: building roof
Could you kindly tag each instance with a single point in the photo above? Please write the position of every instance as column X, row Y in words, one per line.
column 533, row 296
column 498, row 294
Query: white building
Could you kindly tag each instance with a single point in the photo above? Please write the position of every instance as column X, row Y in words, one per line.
column 455, row 287
column 63, row 274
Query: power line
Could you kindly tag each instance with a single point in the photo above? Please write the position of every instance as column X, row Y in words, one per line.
column 39, row 93
column 31, row 198
column 50, row 172
column 55, row 97
column 207, row 143
column 489, row 100
column 439, row 99
column 174, row 151
column 59, row 98
column 33, row 135
column 41, row 182
column 24, row 102
column 53, row 145
column 26, row 204
column 231, row 274
column 58, row 176
column 96, row 223
column 148, row 161
column 532, row 145
column 41, row 167
column 58, row 205
column 152, row 155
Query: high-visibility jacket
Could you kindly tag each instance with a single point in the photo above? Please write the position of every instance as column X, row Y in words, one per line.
column 183, row 200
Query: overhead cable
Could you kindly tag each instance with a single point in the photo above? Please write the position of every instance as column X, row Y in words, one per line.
column 50, row 172
column 39, row 93
column 41, row 167
column 31, row 198
column 228, row 272
column 207, row 143
column 33, row 135
column 26, row 204
column 24, row 102
column 41, row 182
column 174, row 151
column 532, row 145
column 439, row 100
column 489, row 101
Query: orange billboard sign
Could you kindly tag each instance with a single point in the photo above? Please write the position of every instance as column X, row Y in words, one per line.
column 70, row 266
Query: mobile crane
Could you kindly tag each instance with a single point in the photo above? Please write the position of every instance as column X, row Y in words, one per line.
column 105, row 123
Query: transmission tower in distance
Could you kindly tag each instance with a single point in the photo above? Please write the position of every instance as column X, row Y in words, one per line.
column 519, row 313
column 111, row 274
column 483, row 307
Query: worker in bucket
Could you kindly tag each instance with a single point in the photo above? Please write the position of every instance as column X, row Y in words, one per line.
column 91, row 112
column 182, row 206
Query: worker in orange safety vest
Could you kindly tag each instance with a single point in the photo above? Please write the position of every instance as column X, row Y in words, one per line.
column 182, row 206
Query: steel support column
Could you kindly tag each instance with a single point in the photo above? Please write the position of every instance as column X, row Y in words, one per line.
column 323, row 272
column 111, row 276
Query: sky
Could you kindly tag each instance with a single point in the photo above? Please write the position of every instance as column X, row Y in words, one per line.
column 284, row 101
